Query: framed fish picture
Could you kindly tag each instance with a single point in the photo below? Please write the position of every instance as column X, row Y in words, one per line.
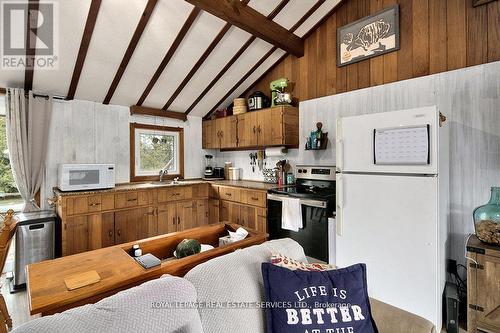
column 368, row 37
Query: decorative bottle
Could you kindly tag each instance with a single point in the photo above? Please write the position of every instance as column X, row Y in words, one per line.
column 487, row 219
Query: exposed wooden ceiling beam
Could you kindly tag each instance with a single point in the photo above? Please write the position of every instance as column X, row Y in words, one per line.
column 31, row 27
column 84, row 46
column 146, row 15
column 242, row 49
column 250, row 20
column 171, row 51
column 135, row 109
column 292, row 29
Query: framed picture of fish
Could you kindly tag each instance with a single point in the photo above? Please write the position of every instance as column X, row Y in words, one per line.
column 368, row 37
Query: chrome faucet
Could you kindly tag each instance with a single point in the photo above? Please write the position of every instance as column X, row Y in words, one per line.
column 163, row 173
column 175, row 180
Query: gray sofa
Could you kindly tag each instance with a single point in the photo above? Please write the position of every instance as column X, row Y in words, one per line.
column 166, row 304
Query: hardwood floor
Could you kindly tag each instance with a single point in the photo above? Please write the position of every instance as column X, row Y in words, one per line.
column 17, row 304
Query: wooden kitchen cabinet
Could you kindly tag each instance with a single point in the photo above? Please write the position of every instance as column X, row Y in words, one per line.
column 89, row 232
column 248, row 126
column 201, row 213
column 209, row 137
column 213, row 211
column 93, row 221
column 134, row 224
column 227, row 128
column 167, row 218
column 174, row 217
column 483, row 286
column 268, row 127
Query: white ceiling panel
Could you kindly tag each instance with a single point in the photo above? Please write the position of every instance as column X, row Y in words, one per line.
column 198, row 38
column 153, row 45
column 265, row 7
column 253, row 54
column 252, row 78
column 317, row 16
column 114, row 28
column 220, row 56
column 293, row 12
column 72, row 18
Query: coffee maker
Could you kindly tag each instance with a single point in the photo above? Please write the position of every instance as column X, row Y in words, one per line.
column 209, row 170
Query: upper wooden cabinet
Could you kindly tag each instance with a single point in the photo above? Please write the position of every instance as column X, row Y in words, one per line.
column 278, row 126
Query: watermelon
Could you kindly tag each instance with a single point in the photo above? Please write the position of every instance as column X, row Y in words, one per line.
column 187, row 247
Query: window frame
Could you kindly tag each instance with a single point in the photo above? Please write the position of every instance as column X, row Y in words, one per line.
column 138, row 178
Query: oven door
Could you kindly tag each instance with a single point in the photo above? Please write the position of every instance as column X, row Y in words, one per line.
column 313, row 237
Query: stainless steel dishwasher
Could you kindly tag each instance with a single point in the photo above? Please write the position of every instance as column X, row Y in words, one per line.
column 35, row 239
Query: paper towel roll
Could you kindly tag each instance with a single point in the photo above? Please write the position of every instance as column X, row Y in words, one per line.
column 276, row 151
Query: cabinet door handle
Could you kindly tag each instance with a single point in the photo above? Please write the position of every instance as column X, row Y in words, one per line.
column 178, row 220
column 173, row 220
column 119, row 232
column 132, row 200
column 94, row 204
column 255, row 199
column 110, row 233
column 162, row 211
column 254, row 129
column 228, row 194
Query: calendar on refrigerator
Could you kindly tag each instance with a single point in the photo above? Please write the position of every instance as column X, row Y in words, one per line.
column 402, row 145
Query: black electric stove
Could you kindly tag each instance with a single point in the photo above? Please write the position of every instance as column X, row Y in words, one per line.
column 316, row 190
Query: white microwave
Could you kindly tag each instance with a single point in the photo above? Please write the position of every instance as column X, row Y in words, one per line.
column 75, row 177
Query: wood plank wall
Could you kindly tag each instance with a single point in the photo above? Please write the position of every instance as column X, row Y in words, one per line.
column 435, row 36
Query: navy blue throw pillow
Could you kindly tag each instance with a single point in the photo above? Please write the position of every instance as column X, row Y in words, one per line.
column 334, row 301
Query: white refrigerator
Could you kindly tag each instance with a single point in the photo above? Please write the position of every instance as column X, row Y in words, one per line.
column 392, row 205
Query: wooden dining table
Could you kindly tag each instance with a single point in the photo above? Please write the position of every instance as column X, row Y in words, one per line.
column 118, row 270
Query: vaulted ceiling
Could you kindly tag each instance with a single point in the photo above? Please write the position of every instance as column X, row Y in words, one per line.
column 164, row 54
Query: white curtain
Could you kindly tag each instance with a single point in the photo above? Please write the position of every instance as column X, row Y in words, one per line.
column 28, row 121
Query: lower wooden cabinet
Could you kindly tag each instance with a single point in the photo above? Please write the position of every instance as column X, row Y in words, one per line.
column 213, row 210
column 483, row 286
column 245, row 215
column 89, row 232
column 174, row 217
column 202, row 214
column 135, row 224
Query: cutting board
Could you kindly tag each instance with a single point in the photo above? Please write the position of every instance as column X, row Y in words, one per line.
column 80, row 280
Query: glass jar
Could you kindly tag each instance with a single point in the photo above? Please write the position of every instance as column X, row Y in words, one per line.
column 487, row 219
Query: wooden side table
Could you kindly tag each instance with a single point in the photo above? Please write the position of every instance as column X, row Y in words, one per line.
column 483, row 286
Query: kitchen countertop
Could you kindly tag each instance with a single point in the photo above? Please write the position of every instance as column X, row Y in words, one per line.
column 248, row 184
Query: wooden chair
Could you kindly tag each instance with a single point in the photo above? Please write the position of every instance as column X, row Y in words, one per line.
column 6, row 233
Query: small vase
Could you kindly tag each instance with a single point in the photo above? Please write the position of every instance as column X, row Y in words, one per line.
column 487, row 219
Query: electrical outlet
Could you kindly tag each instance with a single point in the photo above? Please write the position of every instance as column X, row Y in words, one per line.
column 451, row 266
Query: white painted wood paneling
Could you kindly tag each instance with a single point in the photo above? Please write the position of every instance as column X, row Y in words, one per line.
column 88, row 132
column 114, row 28
column 155, row 42
column 71, row 17
column 201, row 34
